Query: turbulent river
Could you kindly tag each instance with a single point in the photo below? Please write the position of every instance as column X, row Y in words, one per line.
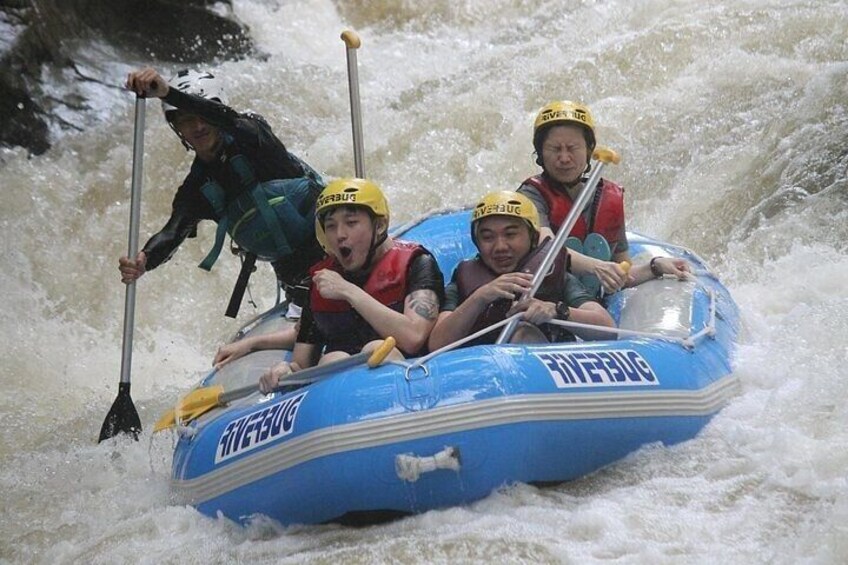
column 732, row 121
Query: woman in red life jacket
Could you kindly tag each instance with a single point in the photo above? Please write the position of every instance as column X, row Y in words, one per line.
column 483, row 290
column 369, row 287
column 564, row 139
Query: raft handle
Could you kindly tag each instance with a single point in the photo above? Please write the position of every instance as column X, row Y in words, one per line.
column 406, row 372
column 410, row 467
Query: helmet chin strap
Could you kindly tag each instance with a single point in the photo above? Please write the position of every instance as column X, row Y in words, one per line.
column 188, row 146
column 375, row 244
column 534, row 238
column 171, row 125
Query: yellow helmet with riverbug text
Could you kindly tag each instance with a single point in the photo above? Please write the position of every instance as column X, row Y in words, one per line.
column 349, row 192
column 506, row 203
column 564, row 112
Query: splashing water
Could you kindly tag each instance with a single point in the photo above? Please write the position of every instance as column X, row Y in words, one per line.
column 731, row 118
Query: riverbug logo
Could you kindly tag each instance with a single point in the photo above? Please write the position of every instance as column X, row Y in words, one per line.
column 567, row 114
column 347, row 196
column 258, row 428
column 622, row 367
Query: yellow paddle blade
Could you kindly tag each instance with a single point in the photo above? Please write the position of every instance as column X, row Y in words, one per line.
column 198, row 402
column 194, row 404
column 168, row 420
column 202, row 400
column 606, row 155
column 381, row 352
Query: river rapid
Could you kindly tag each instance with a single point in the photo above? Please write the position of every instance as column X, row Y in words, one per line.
column 732, row 121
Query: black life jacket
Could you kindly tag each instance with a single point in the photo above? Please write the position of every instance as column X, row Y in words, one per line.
column 473, row 273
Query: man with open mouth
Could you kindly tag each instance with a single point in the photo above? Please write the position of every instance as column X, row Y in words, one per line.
column 369, row 287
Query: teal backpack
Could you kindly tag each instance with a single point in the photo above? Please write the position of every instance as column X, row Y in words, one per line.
column 264, row 219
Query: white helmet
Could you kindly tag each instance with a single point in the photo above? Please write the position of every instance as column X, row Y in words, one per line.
column 200, row 84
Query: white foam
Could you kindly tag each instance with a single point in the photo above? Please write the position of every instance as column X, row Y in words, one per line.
column 731, row 121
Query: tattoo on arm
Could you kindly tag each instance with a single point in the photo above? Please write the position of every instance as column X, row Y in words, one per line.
column 424, row 303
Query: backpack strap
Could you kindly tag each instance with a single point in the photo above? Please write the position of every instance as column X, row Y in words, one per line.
column 247, row 268
column 215, row 195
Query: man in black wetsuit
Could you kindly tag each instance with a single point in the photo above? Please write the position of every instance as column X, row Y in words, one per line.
column 240, row 171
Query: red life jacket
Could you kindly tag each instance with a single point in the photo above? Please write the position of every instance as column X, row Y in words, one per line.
column 606, row 213
column 344, row 327
column 471, row 274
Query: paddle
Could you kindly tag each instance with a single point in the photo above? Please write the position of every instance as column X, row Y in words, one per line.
column 353, row 43
column 123, row 417
column 202, row 400
column 602, row 156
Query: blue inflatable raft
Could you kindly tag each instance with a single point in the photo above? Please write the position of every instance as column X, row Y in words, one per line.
column 450, row 428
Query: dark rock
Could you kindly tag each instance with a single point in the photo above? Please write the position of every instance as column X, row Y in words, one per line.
column 22, row 119
column 164, row 30
column 47, row 35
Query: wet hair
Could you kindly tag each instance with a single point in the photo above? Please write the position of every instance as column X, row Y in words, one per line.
column 349, row 207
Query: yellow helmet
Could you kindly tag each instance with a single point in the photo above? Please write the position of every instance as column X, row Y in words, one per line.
column 506, row 203
column 564, row 112
column 349, row 192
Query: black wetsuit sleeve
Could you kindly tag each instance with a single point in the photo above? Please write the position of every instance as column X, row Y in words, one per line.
column 308, row 331
column 189, row 207
column 424, row 274
column 252, row 133
column 213, row 112
column 162, row 245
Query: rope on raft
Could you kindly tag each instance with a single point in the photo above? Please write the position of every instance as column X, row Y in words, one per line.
column 688, row 342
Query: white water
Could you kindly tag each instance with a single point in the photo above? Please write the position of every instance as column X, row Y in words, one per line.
column 732, row 119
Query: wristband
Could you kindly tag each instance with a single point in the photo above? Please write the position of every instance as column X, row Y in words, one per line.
column 654, row 269
column 562, row 311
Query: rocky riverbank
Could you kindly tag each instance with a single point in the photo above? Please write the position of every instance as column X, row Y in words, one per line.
column 49, row 41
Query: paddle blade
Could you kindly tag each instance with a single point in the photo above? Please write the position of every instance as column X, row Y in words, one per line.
column 122, row 417
column 168, row 420
column 193, row 405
